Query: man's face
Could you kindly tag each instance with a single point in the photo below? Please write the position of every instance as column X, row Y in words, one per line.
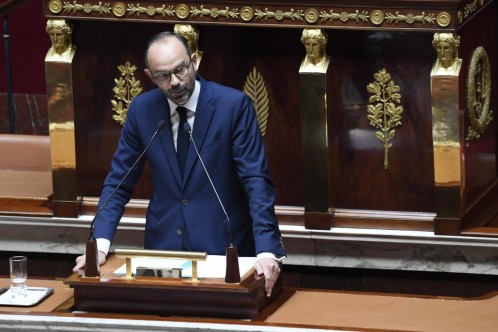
column 164, row 59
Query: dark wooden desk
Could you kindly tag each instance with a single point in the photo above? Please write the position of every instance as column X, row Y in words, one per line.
column 387, row 312
column 291, row 309
column 208, row 297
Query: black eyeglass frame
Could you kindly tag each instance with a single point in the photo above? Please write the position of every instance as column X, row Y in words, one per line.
column 164, row 78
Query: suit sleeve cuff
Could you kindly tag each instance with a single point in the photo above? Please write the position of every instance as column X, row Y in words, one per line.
column 103, row 245
column 270, row 255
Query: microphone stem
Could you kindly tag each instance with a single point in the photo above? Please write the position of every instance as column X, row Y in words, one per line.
column 214, row 189
column 159, row 127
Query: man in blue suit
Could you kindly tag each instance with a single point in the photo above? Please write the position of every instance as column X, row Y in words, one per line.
column 184, row 212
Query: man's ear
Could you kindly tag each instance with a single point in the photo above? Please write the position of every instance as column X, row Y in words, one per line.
column 194, row 59
column 149, row 75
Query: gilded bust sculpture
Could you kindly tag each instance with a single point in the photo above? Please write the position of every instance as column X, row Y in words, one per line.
column 446, row 46
column 191, row 34
column 60, row 33
column 316, row 59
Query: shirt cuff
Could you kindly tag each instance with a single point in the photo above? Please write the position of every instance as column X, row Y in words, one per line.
column 269, row 255
column 103, row 245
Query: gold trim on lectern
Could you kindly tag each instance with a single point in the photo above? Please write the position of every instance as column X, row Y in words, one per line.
column 192, row 256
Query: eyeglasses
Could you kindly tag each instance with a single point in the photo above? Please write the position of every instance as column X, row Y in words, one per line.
column 180, row 72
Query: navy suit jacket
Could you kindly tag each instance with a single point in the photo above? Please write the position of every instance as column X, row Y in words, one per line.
column 229, row 141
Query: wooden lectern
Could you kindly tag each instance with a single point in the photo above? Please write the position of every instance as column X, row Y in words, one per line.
column 169, row 296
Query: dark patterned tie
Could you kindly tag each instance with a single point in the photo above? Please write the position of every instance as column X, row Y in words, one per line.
column 182, row 140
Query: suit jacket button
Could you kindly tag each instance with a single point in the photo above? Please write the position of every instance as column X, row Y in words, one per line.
column 184, row 202
column 179, row 231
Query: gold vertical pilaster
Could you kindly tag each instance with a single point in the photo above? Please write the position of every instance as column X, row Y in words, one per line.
column 60, row 104
column 447, row 134
column 314, row 135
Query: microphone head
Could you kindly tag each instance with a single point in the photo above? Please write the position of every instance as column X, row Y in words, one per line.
column 186, row 127
column 160, row 124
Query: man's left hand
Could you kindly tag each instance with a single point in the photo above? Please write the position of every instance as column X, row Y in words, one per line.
column 271, row 270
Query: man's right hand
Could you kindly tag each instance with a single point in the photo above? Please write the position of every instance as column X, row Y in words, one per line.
column 80, row 261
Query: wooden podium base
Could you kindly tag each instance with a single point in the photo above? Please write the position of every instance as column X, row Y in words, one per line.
column 169, row 296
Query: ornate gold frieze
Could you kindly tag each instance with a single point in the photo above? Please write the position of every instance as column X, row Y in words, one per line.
column 478, row 94
column 410, row 18
column 87, row 8
column 383, row 113
column 151, row 10
column 322, row 16
column 214, row 12
column 279, row 15
column 344, row 16
column 255, row 88
column 127, row 87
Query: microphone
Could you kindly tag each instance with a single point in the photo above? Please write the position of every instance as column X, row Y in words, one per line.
column 232, row 274
column 92, row 257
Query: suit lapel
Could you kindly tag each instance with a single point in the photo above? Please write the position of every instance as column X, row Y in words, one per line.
column 203, row 116
column 166, row 138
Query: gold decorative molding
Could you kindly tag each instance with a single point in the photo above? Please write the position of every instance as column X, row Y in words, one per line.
column 87, row 8
column 344, row 16
column 410, row 18
column 382, row 110
column 279, row 15
column 311, row 15
column 55, row 6
column 151, row 10
column 127, row 87
column 478, row 94
column 377, row 17
column 181, row 11
column 246, row 13
column 214, row 12
column 119, row 9
column 299, row 14
column 443, row 19
column 255, row 88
